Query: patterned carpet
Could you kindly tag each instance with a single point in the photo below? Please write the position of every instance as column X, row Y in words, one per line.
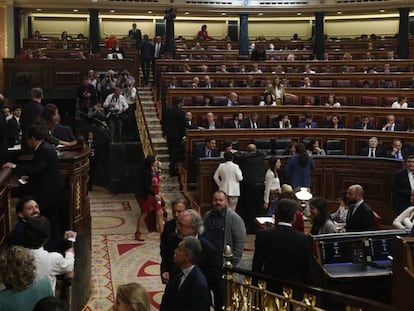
column 117, row 258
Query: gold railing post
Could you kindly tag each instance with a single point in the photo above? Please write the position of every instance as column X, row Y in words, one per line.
column 228, row 277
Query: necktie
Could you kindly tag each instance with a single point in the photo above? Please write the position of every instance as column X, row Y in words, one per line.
column 208, row 153
column 371, row 153
column 157, row 50
column 254, row 125
column 351, row 209
column 181, row 279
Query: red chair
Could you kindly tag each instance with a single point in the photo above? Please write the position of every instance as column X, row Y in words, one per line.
column 369, row 101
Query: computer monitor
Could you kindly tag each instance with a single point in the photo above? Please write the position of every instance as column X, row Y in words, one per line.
column 380, row 249
column 342, row 252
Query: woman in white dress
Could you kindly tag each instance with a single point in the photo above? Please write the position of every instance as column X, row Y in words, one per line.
column 272, row 186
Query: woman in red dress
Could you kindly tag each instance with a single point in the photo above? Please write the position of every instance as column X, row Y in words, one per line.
column 151, row 196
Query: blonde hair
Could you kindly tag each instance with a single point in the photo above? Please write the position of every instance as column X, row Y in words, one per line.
column 134, row 295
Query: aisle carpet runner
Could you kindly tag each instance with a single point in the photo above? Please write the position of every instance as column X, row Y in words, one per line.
column 117, row 258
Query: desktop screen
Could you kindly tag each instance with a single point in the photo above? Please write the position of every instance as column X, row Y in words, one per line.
column 380, row 248
column 336, row 252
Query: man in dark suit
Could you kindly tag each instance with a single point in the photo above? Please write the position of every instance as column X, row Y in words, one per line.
column 231, row 100
column 397, row 151
column 43, row 177
column 392, row 125
column 178, row 206
column 402, row 190
column 252, row 122
column 308, row 123
column 189, row 122
column 373, row 150
column 32, row 110
column 147, row 55
column 173, row 129
column 282, row 252
column 190, row 223
column 251, row 164
column 135, row 33
column 14, row 132
column 187, row 289
column 360, row 216
column 364, row 123
column 208, row 150
column 210, row 122
column 236, row 122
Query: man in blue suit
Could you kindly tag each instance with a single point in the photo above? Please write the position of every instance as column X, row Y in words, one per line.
column 187, row 289
column 308, row 123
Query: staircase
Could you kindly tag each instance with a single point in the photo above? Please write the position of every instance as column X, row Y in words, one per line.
column 169, row 185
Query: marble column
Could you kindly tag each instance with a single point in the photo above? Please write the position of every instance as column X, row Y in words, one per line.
column 319, row 47
column 403, row 48
column 94, row 36
column 244, row 34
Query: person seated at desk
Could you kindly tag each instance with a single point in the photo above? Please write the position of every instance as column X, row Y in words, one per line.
column 208, row 100
column 339, row 216
column 334, row 122
column 332, row 102
column 210, row 122
column 315, row 149
column 392, row 125
column 364, row 123
column 48, row 118
column 308, row 123
column 402, row 102
column 208, row 150
column 189, row 122
column 397, row 151
column 268, row 100
column 197, row 47
column 406, row 219
column 372, row 150
column 321, row 220
column 252, row 122
column 18, row 273
column 48, row 264
column 236, row 121
column 231, row 100
column 282, row 122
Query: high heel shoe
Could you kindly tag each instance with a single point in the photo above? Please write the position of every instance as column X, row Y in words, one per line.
column 138, row 236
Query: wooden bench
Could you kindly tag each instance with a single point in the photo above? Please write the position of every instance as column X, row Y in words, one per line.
column 321, row 115
column 331, row 176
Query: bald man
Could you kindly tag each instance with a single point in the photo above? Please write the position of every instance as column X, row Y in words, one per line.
column 360, row 216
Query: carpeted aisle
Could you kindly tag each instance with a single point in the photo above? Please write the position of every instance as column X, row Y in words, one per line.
column 117, row 257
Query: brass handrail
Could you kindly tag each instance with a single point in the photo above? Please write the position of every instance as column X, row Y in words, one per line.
column 142, row 127
column 246, row 290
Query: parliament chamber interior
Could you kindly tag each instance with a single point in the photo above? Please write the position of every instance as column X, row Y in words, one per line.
column 276, row 74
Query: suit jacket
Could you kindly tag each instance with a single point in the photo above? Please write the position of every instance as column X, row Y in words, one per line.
column 192, row 126
column 3, row 139
column 247, row 124
column 283, row 253
column 359, row 125
column 401, row 191
column 167, row 242
column 298, row 175
column 147, row 50
column 13, row 132
column 379, row 152
column 30, row 112
column 303, row 125
column 404, row 152
column 136, row 35
column 224, row 103
column 397, row 127
column 205, row 124
column 63, row 132
column 201, row 152
column 209, row 262
column 232, row 125
column 162, row 50
column 361, row 220
column 173, row 122
column 193, row 295
column 228, row 177
column 45, row 180
column 252, row 167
